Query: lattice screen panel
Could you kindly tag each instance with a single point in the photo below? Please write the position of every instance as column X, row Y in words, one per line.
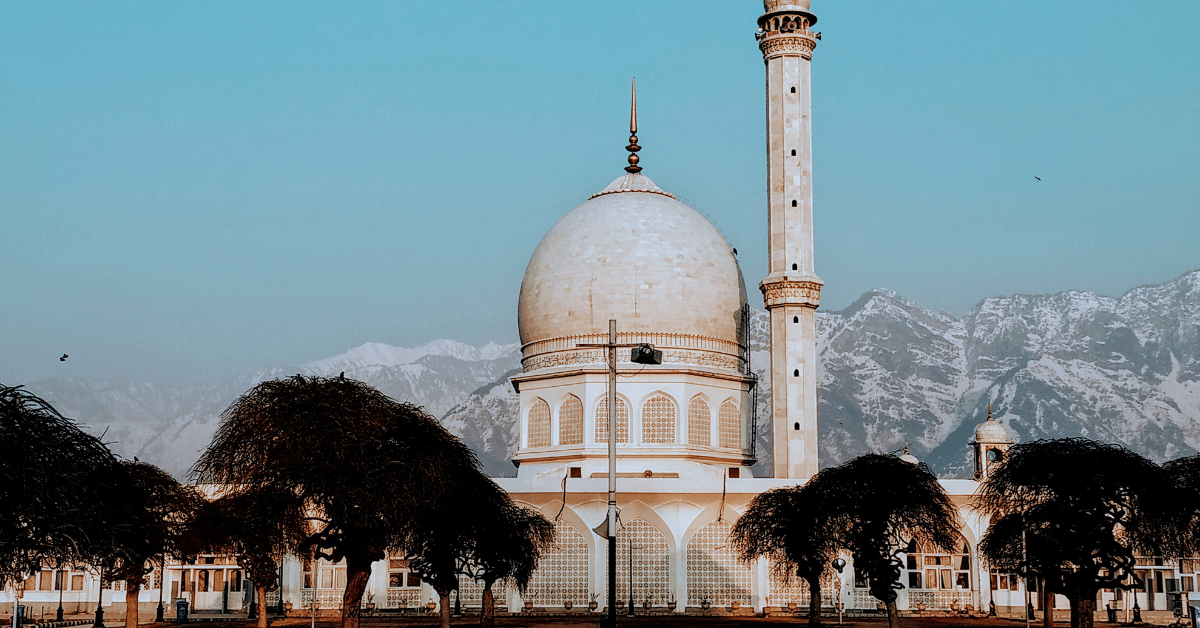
column 729, row 424
column 699, row 423
column 651, row 564
column 622, row 421
column 658, row 420
column 570, row 422
column 713, row 569
column 562, row 573
column 539, row 424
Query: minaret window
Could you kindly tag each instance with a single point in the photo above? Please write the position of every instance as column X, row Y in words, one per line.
column 539, row 424
column 658, row 419
column 795, row 319
column 793, row 152
column 729, row 423
column 699, row 421
column 796, row 426
column 793, row 90
column 795, row 267
column 622, row 421
column 796, row 373
column 793, row 203
column 570, row 421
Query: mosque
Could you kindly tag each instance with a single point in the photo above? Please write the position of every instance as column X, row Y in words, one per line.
column 634, row 254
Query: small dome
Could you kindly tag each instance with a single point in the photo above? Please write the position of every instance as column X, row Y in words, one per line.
column 633, row 253
column 908, row 457
column 991, row 431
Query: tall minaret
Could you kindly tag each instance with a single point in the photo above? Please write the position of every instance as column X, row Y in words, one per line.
column 792, row 290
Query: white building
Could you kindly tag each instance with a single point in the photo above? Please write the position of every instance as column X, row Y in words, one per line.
column 633, row 253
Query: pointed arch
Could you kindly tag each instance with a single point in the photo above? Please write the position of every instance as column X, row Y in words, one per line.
column 658, row 419
column 699, row 422
column 729, row 425
column 562, row 573
column 714, row 571
column 570, row 421
column 651, row 560
column 622, row 420
column 539, row 423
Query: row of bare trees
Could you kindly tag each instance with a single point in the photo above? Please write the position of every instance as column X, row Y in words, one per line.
column 323, row 467
column 1072, row 513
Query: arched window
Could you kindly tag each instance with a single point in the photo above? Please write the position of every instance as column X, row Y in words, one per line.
column 937, row 577
column 562, row 572
column 570, row 421
column 539, row 424
column 714, row 572
column 651, row 561
column 658, row 419
column 622, row 421
column 729, row 424
column 699, row 422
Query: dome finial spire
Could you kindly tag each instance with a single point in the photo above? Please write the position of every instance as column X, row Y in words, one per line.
column 633, row 148
column 990, row 412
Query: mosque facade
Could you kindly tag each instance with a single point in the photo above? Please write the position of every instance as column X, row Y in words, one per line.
column 634, row 254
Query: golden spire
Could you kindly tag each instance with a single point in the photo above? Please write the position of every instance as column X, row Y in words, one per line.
column 989, row 411
column 633, row 147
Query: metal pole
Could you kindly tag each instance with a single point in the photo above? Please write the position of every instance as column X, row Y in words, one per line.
column 62, row 580
column 632, row 612
column 162, row 582
column 1025, row 576
column 612, row 474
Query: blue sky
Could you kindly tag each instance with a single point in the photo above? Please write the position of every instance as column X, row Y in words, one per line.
column 195, row 189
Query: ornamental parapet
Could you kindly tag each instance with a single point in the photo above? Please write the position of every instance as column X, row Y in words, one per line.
column 785, row 291
column 786, row 32
column 679, row 349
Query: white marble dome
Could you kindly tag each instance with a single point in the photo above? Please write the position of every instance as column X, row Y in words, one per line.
column 991, row 431
column 633, row 253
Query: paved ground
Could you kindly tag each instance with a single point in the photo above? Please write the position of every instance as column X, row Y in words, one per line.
column 679, row 621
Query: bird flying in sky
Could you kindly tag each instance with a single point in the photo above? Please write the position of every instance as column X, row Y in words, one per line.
column 64, row 358
column 1037, row 177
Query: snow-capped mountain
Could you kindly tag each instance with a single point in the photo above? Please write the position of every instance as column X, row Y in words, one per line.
column 1125, row 370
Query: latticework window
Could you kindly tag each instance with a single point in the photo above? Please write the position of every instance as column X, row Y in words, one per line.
column 792, row 588
column 651, row 563
column 713, row 569
column 470, row 590
column 570, row 421
column 622, row 421
column 562, row 573
column 658, row 420
column 539, row 424
column 699, row 423
column 729, row 425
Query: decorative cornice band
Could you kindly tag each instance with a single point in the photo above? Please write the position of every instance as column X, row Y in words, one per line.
column 791, row 292
column 789, row 44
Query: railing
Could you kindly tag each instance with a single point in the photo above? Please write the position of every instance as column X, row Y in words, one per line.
column 939, row 600
column 403, row 598
column 659, row 340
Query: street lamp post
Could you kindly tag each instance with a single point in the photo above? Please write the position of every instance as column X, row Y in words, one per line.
column 839, row 565
column 162, row 582
column 62, row 579
column 642, row 354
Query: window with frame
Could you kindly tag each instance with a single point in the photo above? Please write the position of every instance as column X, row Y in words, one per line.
column 729, row 425
column 932, row 568
column 539, row 424
column 399, row 575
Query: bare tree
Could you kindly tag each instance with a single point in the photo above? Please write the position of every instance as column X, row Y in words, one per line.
column 878, row 504
column 55, row 487
column 154, row 510
column 373, row 474
column 795, row 532
column 258, row 526
column 508, row 547
column 1079, row 511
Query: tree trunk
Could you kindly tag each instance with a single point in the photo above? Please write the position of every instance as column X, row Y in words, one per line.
column 131, row 603
column 358, row 571
column 260, row 594
column 814, row 600
column 1047, row 606
column 488, row 618
column 444, row 607
column 893, row 615
column 1083, row 611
